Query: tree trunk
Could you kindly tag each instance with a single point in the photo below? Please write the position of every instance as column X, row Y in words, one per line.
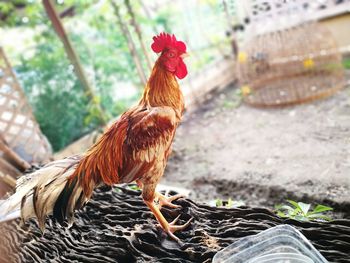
column 130, row 42
column 149, row 16
column 57, row 25
column 138, row 33
column 9, row 180
column 12, row 156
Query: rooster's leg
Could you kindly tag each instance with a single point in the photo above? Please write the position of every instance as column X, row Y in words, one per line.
column 165, row 200
column 169, row 228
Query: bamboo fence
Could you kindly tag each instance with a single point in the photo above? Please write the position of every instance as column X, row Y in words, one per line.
column 21, row 141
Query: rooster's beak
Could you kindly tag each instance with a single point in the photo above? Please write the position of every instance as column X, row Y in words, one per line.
column 184, row 55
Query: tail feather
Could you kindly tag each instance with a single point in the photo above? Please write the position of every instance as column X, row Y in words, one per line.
column 10, row 216
column 60, row 208
column 77, row 199
column 48, row 190
column 47, row 197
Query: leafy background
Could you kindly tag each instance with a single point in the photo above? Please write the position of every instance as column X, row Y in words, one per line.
column 56, row 95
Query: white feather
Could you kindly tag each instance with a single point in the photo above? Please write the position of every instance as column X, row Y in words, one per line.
column 49, row 180
column 10, row 216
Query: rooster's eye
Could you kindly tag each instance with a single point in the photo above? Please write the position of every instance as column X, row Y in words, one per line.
column 171, row 55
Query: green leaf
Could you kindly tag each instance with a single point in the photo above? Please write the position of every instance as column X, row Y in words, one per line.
column 295, row 204
column 287, row 207
column 278, row 206
column 301, row 218
column 304, row 207
column 320, row 216
column 294, row 212
column 229, row 203
column 320, row 208
column 134, row 187
column 281, row 214
column 218, row 202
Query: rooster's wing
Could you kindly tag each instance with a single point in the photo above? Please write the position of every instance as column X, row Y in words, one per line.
column 148, row 139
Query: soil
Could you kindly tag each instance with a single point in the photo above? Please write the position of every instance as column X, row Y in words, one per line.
column 225, row 149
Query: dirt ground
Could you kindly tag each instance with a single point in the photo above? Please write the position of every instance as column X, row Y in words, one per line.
column 264, row 156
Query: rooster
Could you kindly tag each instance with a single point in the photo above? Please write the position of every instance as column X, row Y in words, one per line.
column 135, row 148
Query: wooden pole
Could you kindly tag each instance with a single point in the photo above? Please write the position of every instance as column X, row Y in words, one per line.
column 7, row 168
column 156, row 30
column 138, row 33
column 10, row 181
column 57, row 25
column 230, row 30
column 130, row 42
column 13, row 156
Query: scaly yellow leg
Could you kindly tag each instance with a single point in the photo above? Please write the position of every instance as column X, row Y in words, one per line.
column 165, row 200
column 169, row 228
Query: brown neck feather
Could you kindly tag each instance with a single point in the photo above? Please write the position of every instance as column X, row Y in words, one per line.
column 162, row 89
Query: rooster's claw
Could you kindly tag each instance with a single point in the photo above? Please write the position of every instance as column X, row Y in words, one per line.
column 164, row 200
column 172, row 228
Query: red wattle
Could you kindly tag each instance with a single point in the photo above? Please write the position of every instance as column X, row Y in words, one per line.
column 181, row 70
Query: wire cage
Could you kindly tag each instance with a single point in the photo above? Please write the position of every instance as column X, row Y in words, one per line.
column 288, row 57
column 290, row 66
column 18, row 127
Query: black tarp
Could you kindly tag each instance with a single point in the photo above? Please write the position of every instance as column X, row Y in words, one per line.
column 116, row 226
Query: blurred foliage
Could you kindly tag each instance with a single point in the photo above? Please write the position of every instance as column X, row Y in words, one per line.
column 55, row 93
column 346, row 63
column 60, row 105
column 31, row 12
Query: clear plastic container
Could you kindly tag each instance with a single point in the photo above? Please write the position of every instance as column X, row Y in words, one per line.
column 279, row 244
column 282, row 258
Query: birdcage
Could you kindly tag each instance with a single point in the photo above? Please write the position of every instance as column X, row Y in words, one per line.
column 19, row 130
column 290, row 66
column 288, row 57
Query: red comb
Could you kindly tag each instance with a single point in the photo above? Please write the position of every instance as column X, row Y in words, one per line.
column 165, row 41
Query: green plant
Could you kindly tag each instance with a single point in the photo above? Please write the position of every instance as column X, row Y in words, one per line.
column 133, row 187
column 346, row 63
column 234, row 100
column 302, row 212
column 25, row 13
column 55, row 93
column 229, row 203
column 59, row 102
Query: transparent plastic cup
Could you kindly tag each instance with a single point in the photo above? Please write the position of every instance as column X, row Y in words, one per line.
column 279, row 244
column 282, row 258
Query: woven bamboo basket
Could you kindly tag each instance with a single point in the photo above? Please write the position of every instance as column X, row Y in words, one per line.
column 290, row 66
column 19, row 130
